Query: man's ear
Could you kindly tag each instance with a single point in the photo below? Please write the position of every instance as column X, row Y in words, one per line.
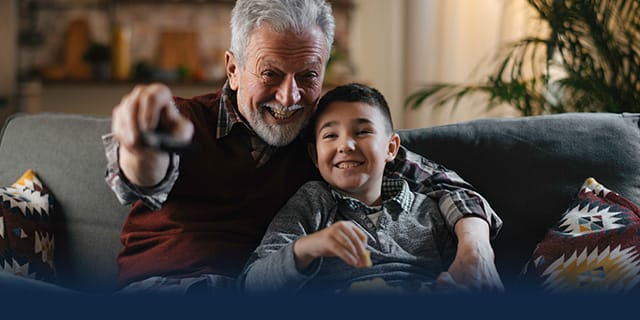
column 232, row 69
column 393, row 147
column 311, row 148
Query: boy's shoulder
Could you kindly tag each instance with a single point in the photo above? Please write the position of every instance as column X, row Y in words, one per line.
column 312, row 195
column 315, row 186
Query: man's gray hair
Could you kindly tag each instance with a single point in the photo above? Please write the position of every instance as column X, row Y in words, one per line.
column 282, row 15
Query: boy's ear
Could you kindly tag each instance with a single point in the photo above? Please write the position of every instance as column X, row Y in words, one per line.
column 393, row 147
column 311, row 148
column 232, row 70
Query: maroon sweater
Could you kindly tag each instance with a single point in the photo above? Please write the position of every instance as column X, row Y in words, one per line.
column 219, row 208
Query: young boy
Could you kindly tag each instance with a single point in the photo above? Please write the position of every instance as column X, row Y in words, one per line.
column 354, row 227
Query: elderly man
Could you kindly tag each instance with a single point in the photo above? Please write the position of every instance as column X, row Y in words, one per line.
column 197, row 216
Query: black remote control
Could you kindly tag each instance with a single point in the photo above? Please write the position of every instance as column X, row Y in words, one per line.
column 165, row 142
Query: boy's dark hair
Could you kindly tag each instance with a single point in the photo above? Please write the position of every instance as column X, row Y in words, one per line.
column 353, row 92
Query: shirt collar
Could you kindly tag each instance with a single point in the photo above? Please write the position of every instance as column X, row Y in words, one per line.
column 395, row 194
column 228, row 114
column 229, row 117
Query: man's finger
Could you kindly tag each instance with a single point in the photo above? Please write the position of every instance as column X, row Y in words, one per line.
column 446, row 284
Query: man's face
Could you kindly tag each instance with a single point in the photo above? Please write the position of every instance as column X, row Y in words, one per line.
column 353, row 144
column 280, row 81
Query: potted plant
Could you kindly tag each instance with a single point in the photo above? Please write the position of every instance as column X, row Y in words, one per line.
column 588, row 61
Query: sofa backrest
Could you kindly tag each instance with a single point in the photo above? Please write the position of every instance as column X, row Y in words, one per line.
column 530, row 168
column 66, row 153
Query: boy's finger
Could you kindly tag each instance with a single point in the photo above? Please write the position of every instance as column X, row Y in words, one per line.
column 359, row 239
column 344, row 250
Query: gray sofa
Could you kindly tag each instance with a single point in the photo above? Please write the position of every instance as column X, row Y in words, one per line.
column 528, row 168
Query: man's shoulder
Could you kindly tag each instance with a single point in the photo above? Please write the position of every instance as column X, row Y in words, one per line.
column 408, row 159
column 203, row 100
column 198, row 105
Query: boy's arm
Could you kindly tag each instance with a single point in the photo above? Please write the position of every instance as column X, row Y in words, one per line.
column 342, row 239
column 272, row 266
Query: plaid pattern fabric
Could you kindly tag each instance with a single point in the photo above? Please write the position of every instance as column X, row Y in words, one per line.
column 127, row 192
column 393, row 191
column 457, row 198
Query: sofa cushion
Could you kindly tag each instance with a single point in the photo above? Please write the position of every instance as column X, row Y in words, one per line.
column 593, row 248
column 26, row 229
column 529, row 168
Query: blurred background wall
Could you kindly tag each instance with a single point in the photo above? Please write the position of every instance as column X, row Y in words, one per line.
column 394, row 45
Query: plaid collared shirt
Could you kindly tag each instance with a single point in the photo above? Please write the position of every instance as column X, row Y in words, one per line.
column 393, row 192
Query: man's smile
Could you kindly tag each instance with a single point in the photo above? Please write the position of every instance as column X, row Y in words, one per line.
column 281, row 113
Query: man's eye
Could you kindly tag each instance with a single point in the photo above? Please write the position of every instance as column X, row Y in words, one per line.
column 311, row 75
column 308, row 77
column 268, row 74
column 269, row 77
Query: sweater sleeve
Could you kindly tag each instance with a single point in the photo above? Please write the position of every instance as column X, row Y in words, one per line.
column 456, row 197
column 272, row 268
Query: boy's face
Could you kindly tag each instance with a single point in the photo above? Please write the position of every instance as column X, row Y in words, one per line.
column 352, row 147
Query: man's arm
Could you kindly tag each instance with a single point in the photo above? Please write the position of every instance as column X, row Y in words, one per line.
column 473, row 266
column 467, row 213
column 125, row 191
column 140, row 167
column 455, row 196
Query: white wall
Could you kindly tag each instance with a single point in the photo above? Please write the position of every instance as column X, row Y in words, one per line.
column 399, row 45
column 377, row 41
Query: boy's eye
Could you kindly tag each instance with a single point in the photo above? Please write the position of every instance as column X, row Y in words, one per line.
column 329, row 135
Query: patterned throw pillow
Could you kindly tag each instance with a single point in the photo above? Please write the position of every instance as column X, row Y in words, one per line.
column 26, row 229
column 594, row 248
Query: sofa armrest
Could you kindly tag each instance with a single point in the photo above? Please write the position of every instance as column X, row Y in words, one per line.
column 67, row 154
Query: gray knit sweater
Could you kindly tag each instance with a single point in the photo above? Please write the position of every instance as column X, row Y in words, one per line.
column 411, row 244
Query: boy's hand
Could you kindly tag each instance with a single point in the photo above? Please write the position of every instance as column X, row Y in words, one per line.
column 342, row 239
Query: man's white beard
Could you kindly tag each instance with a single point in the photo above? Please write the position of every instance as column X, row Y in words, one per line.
column 277, row 135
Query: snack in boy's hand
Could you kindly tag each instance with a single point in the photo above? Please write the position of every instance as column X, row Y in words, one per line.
column 368, row 262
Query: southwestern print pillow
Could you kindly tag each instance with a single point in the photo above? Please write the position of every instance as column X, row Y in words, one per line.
column 594, row 248
column 26, row 229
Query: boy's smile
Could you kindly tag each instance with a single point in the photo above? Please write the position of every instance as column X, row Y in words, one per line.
column 348, row 164
column 352, row 148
